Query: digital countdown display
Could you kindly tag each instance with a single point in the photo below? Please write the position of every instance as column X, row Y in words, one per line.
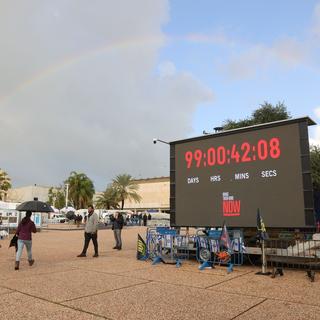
column 227, row 176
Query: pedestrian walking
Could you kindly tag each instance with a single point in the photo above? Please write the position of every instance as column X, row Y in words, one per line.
column 90, row 232
column 117, row 225
column 25, row 228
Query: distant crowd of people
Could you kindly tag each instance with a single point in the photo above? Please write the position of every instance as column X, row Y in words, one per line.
column 140, row 219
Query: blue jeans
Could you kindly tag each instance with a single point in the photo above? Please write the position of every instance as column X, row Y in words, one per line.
column 117, row 237
column 21, row 244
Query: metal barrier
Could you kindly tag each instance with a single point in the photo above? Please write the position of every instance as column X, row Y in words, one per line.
column 4, row 231
column 167, row 246
column 293, row 253
column 210, row 251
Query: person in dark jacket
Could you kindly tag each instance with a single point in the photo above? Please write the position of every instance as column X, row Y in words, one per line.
column 145, row 218
column 117, row 225
column 25, row 228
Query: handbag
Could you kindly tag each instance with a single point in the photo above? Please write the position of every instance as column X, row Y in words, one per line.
column 14, row 242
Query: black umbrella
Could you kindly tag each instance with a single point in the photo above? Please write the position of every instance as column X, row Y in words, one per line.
column 70, row 215
column 35, row 206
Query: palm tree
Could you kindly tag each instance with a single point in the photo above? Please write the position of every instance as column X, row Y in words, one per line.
column 5, row 184
column 81, row 189
column 108, row 199
column 126, row 188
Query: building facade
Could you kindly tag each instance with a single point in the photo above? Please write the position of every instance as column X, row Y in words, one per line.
column 28, row 193
column 154, row 192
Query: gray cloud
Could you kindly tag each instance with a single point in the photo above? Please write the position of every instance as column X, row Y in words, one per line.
column 79, row 91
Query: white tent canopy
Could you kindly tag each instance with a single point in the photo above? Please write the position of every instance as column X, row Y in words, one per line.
column 67, row 209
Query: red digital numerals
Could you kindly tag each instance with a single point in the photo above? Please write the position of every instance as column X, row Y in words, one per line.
column 246, row 152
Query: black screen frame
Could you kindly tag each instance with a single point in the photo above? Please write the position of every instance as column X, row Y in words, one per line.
column 303, row 124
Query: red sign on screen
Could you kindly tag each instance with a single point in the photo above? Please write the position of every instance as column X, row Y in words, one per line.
column 230, row 206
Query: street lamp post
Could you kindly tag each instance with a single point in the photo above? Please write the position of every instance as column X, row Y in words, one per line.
column 67, row 194
column 155, row 140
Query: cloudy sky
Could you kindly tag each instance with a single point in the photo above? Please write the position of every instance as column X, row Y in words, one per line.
column 86, row 85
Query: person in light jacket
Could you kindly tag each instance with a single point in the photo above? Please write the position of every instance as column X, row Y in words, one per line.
column 90, row 232
column 25, row 228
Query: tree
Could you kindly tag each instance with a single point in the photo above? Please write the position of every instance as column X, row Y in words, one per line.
column 109, row 199
column 232, row 124
column 81, row 190
column 126, row 188
column 315, row 166
column 5, row 185
column 57, row 197
column 269, row 113
column 266, row 113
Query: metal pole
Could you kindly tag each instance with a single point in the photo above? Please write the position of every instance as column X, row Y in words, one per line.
column 67, row 194
column 263, row 258
column 264, row 271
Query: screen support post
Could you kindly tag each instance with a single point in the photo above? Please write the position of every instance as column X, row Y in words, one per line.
column 263, row 271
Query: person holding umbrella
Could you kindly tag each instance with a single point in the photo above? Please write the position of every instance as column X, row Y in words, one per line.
column 25, row 228
column 90, row 232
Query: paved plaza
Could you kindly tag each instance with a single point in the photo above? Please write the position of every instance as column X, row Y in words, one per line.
column 117, row 286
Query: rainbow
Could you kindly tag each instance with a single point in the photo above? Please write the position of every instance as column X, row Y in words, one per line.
column 69, row 61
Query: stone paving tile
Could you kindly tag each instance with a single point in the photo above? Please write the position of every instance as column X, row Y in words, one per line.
column 294, row 286
column 129, row 266
column 218, row 270
column 15, row 306
column 59, row 276
column 70, row 284
column 7, row 269
column 164, row 301
column 173, row 275
column 124, row 253
column 109, row 264
column 4, row 290
column 280, row 310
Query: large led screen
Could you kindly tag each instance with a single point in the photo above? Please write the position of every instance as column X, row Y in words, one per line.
column 226, row 177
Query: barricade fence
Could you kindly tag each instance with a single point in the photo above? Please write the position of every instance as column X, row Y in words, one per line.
column 168, row 246
column 293, row 254
column 4, row 232
column 211, row 251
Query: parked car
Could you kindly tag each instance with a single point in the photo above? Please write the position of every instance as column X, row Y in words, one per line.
column 58, row 217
